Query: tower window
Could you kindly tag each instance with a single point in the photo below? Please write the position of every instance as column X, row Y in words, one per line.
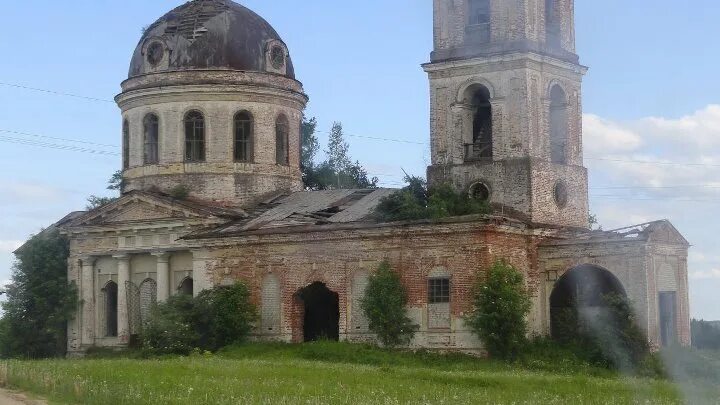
column 151, row 128
column 482, row 127
column 243, row 137
column 282, row 133
column 479, row 12
column 558, row 125
column 552, row 23
column 194, row 137
column 126, row 145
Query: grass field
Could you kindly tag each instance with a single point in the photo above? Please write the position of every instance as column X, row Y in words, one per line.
column 328, row 373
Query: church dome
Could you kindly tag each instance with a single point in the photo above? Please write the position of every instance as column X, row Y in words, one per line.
column 211, row 34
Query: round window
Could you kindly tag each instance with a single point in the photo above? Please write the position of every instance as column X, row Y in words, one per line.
column 561, row 194
column 480, row 192
column 277, row 57
column 155, row 53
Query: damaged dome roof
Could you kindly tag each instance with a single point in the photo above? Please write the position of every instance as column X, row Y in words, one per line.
column 206, row 34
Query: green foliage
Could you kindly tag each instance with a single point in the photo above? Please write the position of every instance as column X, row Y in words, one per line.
column 94, row 202
column 610, row 338
column 40, row 301
column 705, row 335
column 416, row 201
column 116, row 181
column 337, row 171
column 179, row 192
column 223, row 316
column 214, row 319
column 384, row 304
column 500, row 306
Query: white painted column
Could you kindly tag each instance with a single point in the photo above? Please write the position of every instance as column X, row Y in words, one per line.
column 123, row 262
column 201, row 278
column 163, row 276
column 87, row 295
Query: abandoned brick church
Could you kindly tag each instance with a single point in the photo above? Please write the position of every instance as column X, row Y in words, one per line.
column 212, row 104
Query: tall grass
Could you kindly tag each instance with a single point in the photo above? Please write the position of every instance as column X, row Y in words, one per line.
column 322, row 373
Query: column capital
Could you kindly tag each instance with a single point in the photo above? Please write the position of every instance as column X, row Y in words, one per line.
column 87, row 260
column 162, row 257
column 121, row 257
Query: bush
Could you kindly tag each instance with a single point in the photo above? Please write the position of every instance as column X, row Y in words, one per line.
column 501, row 303
column 610, row 339
column 385, row 304
column 223, row 316
column 216, row 318
column 417, row 201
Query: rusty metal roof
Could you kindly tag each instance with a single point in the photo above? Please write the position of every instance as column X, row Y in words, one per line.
column 307, row 208
column 210, row 34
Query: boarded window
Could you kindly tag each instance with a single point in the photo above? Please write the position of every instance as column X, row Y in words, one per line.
column 552, row 23
column 668, row 318
column 194, row 137
column 282, row 134
column 243, row 137
column 271, row 298
column 359, row 319
column 151, row 129
column 148, row 298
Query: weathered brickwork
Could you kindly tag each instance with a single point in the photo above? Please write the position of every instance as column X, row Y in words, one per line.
column 160, row 246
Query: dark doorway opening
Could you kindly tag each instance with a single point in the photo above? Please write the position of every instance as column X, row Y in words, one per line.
column 668, row 318
column 322, row 313
column 581, row 291
column 111, row 308
column 186, row 287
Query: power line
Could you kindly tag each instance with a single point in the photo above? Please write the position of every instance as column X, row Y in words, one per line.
column 57, row 93
column 28, row 142
column 7, row 131
column 654, row 162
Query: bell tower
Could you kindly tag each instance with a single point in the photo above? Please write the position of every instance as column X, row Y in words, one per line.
column 506, row 112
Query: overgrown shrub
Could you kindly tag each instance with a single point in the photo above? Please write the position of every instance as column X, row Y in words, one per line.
column 384, row 304
column 223, row 316
column 216, row 318
column 500, row 305
column 610, row 338
column 417, row 201
column 40, row 301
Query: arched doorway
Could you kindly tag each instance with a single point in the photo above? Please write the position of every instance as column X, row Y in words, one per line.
column 321, row 317
column 580, row 293
column 111, row 307
column 186, row 286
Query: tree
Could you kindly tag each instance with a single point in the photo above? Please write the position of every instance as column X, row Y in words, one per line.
column 384, row 304
column 705, row 335
column 417, row 201
column 40, row 301
column 500, row 306
column 337, row 171
column 115, row 183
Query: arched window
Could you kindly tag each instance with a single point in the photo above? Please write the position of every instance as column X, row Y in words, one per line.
column 186, row 286
column 243, row 137
column 194, row 137
column 282, row 134
column 148, row 298
column 110, row 293
column 558, row 125
column 126, row 145
column 482, row 125
column 151, row 129
column 552, row 23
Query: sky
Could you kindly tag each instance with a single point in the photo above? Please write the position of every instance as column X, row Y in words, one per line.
column 651, row 95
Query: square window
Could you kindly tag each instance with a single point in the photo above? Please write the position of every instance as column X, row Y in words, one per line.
column 438, row 290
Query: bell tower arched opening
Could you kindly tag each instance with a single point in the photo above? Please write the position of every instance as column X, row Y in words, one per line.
column 477, row 97
column 581, row 292
column 558, row 125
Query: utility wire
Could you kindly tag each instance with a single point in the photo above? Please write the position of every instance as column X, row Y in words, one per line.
column 57, row 93
column 7, row 131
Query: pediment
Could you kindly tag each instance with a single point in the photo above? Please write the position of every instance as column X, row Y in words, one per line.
column 665, row 232
column 138, row 208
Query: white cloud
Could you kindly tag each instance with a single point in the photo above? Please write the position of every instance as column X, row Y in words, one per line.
column 712, row 274
column 9, row 246
column 603, row 136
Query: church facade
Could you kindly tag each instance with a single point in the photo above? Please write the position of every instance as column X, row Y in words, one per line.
column 213, row 192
